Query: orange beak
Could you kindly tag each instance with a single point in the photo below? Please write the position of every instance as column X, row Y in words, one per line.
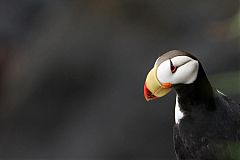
column 153, row 89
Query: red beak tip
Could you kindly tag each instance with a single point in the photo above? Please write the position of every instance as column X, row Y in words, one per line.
column 148, row 94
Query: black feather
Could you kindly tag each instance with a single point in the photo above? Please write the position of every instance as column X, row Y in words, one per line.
column 210, row 128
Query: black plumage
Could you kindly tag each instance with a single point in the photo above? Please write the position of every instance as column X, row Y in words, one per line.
column 207, row 122
column 210, row 128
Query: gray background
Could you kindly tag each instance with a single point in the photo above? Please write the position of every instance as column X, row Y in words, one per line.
column 72, row 73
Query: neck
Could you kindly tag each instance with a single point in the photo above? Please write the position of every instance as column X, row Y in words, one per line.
column 199, row 92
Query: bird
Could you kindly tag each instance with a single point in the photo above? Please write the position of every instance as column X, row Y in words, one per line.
column 207, row 122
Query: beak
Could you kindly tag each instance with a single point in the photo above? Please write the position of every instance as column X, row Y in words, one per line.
column 153, row 89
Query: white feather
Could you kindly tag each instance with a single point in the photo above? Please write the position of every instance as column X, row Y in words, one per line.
column 178, row 113
column 221, row 92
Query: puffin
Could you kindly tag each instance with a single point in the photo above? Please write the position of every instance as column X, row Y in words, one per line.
column 207, row 122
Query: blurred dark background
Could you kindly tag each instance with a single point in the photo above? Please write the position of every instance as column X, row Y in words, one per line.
column 72, row 73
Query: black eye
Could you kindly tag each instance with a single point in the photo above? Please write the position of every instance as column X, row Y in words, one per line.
column 172, row 67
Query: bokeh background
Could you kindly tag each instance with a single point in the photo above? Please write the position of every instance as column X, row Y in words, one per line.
column 72, row 73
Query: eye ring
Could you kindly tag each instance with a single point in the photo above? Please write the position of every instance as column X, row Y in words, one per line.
column 172, row 67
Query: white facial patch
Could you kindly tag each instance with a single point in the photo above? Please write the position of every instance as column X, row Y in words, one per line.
column 186, row 73
column 178, row 114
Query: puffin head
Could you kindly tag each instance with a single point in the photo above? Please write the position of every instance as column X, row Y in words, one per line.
column 170, row 69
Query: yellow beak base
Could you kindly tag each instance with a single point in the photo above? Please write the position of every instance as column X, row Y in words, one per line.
column 153, row 88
